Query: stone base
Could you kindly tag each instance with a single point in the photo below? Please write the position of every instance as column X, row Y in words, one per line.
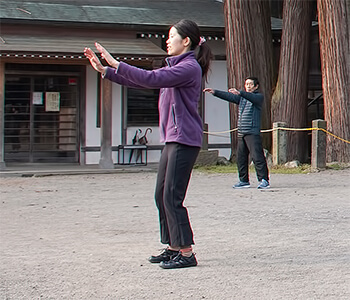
column 207, row 158
column 2, row 165
column 106, row 164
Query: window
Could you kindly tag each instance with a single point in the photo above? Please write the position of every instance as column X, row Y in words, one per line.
column 142, row 107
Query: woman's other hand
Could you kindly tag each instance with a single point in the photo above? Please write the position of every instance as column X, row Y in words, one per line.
column 107, row 56
column 94, row 61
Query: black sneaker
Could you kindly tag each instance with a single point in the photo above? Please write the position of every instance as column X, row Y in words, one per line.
column 164, row 256
column 179, row 261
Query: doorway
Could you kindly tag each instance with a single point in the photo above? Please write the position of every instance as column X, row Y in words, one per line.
column 42, row 117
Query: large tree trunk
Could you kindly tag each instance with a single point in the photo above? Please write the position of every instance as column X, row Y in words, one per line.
column 249, row 53
column 289, row 101
column 334, row 28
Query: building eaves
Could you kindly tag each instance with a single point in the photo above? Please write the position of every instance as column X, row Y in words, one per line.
column 159, row 13
column 24, row 45
column 207, row 13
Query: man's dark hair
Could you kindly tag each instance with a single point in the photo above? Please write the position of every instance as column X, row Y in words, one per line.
column 255, row 80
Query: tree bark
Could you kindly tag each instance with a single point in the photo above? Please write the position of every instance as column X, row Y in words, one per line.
column 2, row 113
column 334, row 32
column 289, row 101
column 249, row 53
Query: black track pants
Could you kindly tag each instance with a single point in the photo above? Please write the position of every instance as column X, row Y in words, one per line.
column 174, row 172
column 251, row 144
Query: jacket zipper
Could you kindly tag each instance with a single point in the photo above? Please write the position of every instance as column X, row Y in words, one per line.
column 174, row 117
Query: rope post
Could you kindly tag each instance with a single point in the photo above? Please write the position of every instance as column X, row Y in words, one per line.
column 205, row 137
column 318, row 145
column 279, row 143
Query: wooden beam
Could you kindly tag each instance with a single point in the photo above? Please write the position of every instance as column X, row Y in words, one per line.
column 106, row 161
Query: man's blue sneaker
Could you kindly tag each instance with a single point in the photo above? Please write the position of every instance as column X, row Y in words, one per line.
column 241, row 185
column 264, row 184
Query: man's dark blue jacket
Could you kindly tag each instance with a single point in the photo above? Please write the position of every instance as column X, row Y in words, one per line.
column 249, row 110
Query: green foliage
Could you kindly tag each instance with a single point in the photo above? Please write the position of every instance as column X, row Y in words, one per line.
column 232, row 168
column 337, row 166
column 280, row 169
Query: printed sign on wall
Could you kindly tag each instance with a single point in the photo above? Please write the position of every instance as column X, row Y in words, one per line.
column 52, row 101
column 38, row 98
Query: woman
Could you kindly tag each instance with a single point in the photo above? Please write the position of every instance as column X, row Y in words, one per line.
column 180, row 129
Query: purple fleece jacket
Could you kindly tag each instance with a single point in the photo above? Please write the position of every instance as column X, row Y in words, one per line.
column 180, row 87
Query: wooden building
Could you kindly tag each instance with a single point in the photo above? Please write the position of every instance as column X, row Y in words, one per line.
column 50, row 97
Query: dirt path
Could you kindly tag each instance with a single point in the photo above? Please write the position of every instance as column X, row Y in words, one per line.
column 88, row 237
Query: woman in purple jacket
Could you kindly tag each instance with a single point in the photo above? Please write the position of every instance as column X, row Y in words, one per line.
column 180, row 129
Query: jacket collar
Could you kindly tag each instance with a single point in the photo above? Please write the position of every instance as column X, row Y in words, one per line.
column 173, row 60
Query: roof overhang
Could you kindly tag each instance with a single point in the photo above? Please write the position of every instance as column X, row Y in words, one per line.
column 206, row 13
column 64, row 46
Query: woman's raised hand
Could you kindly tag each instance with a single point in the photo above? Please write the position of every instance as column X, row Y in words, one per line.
column 94, row 61
column 107, row 56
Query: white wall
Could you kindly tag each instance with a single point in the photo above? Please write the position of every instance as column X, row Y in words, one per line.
column 116, row 118
column 216, row 110
column 92, row 132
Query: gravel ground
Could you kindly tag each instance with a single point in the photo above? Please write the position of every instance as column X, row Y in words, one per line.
column 88, row 237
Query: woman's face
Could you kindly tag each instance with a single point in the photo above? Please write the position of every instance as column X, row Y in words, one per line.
column 176, row 45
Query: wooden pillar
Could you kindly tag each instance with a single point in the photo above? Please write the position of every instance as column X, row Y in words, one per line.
column 2, row 115
column 318, row 145
column 106, row 161
column 279, row 144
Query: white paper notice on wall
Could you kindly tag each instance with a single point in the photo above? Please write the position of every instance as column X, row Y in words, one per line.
column 52, row 101
column 38, row 98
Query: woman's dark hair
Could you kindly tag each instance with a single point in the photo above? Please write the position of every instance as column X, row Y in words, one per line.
column 188, row 28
